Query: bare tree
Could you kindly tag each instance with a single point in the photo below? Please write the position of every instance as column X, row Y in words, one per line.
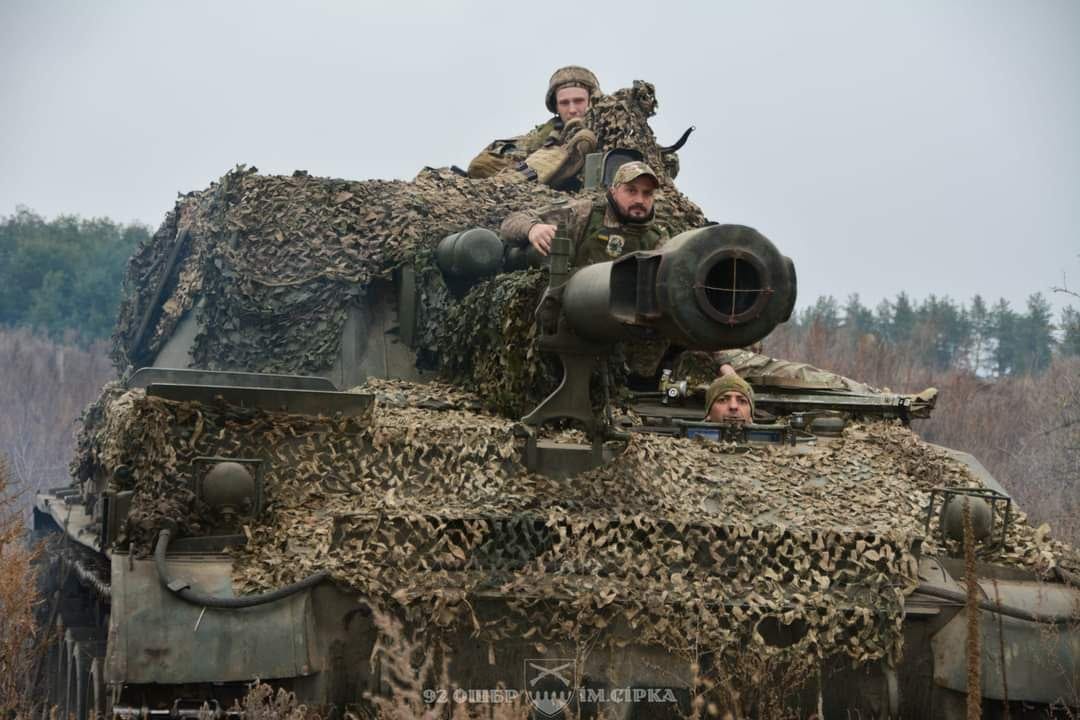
column 44, row 387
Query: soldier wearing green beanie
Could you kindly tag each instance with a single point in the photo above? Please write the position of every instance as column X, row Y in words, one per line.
column 729, row 398
column 554, row 151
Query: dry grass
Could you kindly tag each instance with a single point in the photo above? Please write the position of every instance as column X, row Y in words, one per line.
column 750, row 684
column 21, row 641
column 1067, row 704
column 263, row 702
column 409, row 667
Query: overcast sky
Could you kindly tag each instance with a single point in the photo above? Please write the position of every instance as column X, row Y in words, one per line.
column 931, row 146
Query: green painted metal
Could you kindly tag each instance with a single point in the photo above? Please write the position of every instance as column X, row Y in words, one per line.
column 1041, row 663
column 156, row 638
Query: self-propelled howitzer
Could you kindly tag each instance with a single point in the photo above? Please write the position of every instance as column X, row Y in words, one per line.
column 150, row 524
column 811, row 561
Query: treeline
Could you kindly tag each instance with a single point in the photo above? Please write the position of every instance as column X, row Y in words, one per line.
column 988, row 340
column 62, row 277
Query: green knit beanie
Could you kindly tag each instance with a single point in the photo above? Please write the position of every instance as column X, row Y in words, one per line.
column 726, row 383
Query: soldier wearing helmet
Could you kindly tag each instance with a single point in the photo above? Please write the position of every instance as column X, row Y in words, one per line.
column 553, row 152
column 603, row 229
column 570, row 91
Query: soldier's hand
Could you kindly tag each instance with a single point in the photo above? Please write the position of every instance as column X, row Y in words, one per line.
column 540, row 237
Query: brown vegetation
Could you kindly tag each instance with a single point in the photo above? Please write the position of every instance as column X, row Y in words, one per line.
column 410, row 669
column 262, row 702
column 44, row 387
column 20, row 642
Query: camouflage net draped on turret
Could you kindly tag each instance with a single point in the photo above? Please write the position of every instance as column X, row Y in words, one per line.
column 273, row 262
column 489, row 344
column 424, row 509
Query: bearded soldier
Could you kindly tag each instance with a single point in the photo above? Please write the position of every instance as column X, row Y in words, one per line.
column 621, row 222
column 553, row 152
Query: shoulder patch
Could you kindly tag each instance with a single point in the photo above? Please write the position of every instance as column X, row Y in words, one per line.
column 615, row 245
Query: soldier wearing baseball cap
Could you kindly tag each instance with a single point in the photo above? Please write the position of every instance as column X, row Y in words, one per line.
column 631, row 171
column 606, row 228
column 553, row 152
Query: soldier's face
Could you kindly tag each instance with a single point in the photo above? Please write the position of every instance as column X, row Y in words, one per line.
column 635, row 198
column 731, row 406
column 571, row 102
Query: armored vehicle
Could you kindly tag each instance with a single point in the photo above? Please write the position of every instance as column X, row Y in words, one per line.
column 354, row 454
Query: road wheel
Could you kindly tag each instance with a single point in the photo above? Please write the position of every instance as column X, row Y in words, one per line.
column 80, row 648
column 98, row 702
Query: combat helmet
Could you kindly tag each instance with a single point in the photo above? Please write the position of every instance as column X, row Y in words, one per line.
column 571, row 76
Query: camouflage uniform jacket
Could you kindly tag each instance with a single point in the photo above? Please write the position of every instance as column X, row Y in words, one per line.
column 501, row 154
column 597, row 235
column 759, row 368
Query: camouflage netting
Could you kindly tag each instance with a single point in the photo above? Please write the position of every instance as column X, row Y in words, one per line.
column 490, row 343
column 425, row 510
column 273, row 262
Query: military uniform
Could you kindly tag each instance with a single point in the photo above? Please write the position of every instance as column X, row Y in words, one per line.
column 551, row 153
column 768, row 370
column 594, row 227
column 764, row 370
column 503, row 154
column 591, row 224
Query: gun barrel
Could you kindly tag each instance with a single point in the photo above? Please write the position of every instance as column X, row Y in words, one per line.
column 717, row 287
